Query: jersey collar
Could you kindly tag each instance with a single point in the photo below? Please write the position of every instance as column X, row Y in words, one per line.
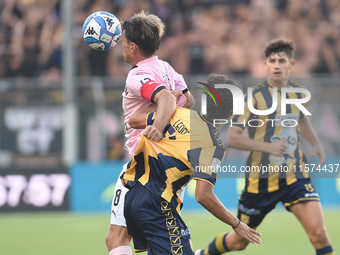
column 148, row 60
column 279, row 89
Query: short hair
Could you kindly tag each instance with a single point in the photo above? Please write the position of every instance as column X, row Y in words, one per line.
column 280, row 45
column 225, row 110
column 145, row 30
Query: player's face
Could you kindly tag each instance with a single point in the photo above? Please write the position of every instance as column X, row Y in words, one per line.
column 279, row 66
column 126, row 49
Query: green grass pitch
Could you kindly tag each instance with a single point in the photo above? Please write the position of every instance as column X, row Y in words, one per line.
column 67, row 233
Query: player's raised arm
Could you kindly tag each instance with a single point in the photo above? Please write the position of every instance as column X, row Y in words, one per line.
column 205, row 196
column 137, row 120
column 166, row 106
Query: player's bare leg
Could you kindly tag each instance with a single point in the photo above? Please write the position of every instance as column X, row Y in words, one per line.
column 117, row 236
column 235, row 242
column 224, row 242
column 311, row 218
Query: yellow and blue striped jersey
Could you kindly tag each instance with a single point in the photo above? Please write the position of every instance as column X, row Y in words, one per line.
column 189, row 146
column 272, row 130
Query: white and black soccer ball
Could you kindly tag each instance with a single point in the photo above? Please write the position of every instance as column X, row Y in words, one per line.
column 101, row 30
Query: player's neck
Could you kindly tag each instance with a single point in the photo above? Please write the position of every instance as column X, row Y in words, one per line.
column 278, row 83
column 138, row 58
column 135, row 61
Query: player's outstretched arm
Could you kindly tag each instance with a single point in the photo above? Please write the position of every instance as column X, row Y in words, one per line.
column 236, row 140
column 138, row 119
column 307, row 131
column 205, row 196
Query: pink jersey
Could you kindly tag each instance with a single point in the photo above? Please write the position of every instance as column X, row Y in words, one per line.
column 142, row 83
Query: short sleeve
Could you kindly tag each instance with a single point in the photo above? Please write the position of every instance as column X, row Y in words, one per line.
column 205, row 163
column 180, row 84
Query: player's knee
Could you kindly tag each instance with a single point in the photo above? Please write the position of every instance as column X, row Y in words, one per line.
column 113, row 239
column 117, row 236
column 240, row 246
column 318, row 236
column 109, row 240
column 236, row 243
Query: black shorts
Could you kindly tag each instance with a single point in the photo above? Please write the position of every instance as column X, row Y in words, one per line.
column 252, row 208
column 154, row 224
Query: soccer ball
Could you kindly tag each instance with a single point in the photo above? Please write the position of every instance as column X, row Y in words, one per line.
column 101, row 31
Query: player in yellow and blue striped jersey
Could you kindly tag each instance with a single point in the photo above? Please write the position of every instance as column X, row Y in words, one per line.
column 159, row 170
column 276, row 146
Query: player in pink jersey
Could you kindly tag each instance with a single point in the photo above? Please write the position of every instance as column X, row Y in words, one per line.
column 144, row 80
column 149, row 81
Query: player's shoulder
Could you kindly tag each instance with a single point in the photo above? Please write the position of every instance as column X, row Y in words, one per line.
column 185, row 110
column 163, row 62
column 184, row 113
column 260, row 87
column 295, row 84
column 136, row 73
column 166, row 65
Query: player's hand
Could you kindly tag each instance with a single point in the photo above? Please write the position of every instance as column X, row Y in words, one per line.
column 153, row 133
column 278, row 148
column 318, row 150
column 177, row 94
column 247, row 233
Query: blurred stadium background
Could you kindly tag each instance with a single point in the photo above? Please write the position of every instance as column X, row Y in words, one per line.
column 61, row 131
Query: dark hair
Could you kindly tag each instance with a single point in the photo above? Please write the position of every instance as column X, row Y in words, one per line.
column 280, row 45
column 225, row 110
column 145, row 30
